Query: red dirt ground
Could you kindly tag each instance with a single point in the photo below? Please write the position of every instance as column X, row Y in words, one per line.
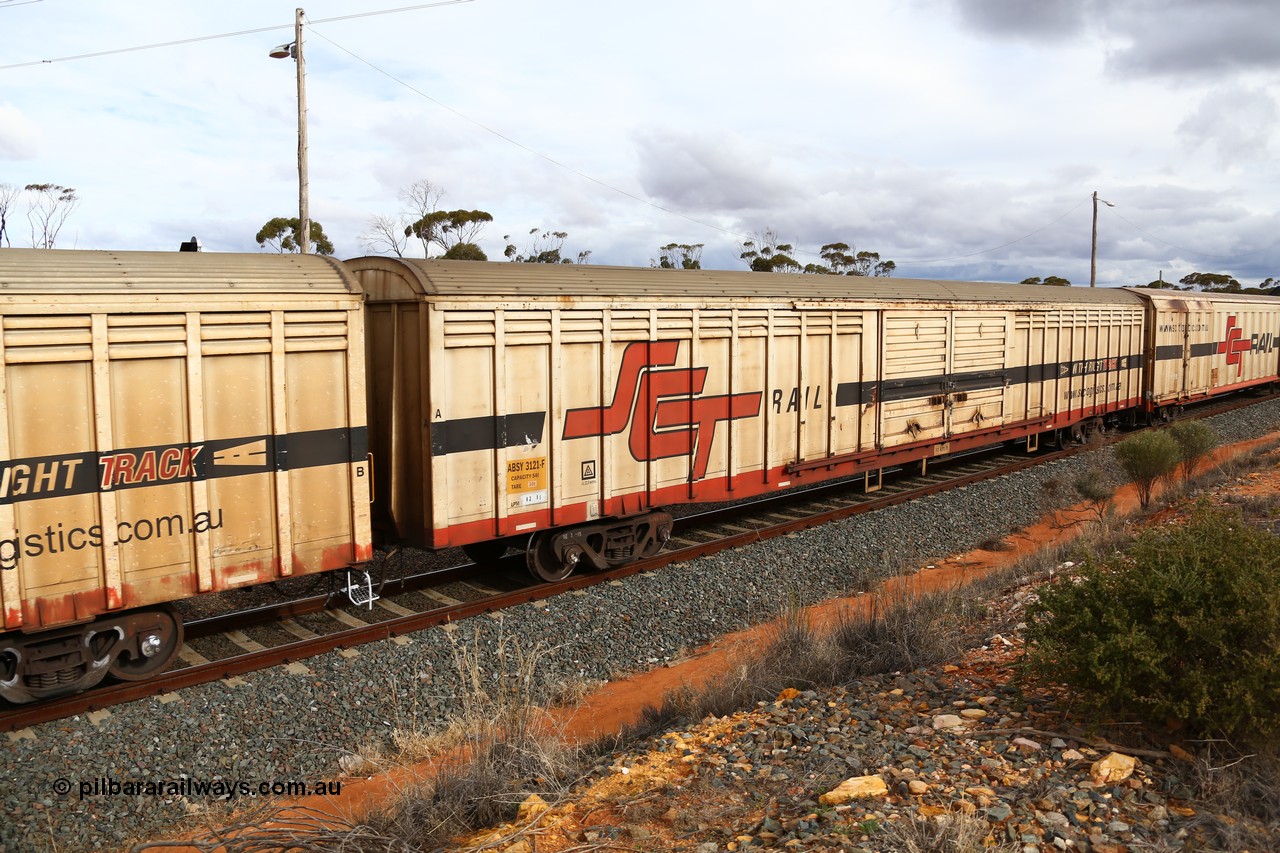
column 619, row 703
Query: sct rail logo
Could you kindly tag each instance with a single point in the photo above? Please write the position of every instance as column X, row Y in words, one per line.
column 664, row 408
column 1235, row 345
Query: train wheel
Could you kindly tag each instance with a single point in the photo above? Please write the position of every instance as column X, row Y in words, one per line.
column 152, row 640
column 547, row 565
column 488, row 551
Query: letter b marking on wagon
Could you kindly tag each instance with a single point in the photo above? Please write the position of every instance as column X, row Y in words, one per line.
column 664, row 407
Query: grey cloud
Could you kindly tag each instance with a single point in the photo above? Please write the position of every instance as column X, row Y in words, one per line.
column 697, row 172
column 1019, row 18
column 1238, row 122
column 1145, row 37
column 1191, row 37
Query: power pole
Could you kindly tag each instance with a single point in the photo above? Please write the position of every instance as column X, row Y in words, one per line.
column 1093, row 250
column 304, row 218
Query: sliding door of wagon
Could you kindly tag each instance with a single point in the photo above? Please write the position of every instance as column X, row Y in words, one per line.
column 1200, row 369
column 913, row 369
column 976, row 374
column 942, row 374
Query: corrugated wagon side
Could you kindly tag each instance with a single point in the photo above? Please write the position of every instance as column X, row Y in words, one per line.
column 555, row 408
column 1203, row 344
column 173, row 425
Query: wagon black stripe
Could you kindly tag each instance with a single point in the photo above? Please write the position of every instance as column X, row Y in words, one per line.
column 892, row 390
column 1170, row 352
column 488, row 432
column 38, row 477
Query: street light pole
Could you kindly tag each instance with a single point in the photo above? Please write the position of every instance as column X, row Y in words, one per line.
column 1093, row 250
column 304, row 220
column 294, row 50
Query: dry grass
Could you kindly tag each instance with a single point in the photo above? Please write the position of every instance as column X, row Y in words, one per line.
column 499, row 750
column 900, row 632
column 896, row 632
column 1238, row 797
column 271, row 829
column 949, row 833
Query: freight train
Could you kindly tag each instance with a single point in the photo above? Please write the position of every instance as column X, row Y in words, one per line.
column 176, row 424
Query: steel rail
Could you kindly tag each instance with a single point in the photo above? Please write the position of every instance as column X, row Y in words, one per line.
column 108, row 695
column 18, row 717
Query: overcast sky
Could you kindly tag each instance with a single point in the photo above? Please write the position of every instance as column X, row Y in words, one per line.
column 959, row 138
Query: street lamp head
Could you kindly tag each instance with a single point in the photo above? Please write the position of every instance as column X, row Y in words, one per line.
column 1107, row 203
column 284, row 51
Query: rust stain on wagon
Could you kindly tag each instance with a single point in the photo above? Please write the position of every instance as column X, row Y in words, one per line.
column 67, row 609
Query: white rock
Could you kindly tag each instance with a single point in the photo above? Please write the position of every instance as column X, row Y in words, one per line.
column 1025, row 744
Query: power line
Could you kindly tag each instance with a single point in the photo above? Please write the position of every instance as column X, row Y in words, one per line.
column 1192, row 251
column 736, row 235
column 524, row 147
column 288, row 26
column 1002, row 245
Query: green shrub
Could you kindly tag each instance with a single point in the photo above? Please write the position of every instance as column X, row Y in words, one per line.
column 1194, row 439
column 1185, row 626
column 1093, row 485
column 1147, row 457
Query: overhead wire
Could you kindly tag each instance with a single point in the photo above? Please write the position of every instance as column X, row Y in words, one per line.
column 1208, row 255
column 736, row 235
column 177, row 42
column 1002, row 245
column 505, row 138
column 508, row 139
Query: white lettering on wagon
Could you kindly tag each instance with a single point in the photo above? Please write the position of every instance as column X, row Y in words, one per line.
column 250, row 454
column 21, row 478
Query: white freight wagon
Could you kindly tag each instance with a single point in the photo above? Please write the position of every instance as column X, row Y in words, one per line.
column 173, row 424
column 558, row 407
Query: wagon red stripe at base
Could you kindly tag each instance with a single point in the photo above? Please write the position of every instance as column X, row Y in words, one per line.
column 184, row 423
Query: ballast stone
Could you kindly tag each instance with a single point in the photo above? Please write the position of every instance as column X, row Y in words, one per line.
column 856, row 788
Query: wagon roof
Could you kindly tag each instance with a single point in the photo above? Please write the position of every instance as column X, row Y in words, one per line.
column 1182, row 300
column 584, row 281
column 94, row 271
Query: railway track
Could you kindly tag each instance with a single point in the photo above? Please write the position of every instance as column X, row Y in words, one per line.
column 241, row 642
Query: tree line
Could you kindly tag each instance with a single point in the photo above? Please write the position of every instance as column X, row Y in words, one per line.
column 454, row 235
